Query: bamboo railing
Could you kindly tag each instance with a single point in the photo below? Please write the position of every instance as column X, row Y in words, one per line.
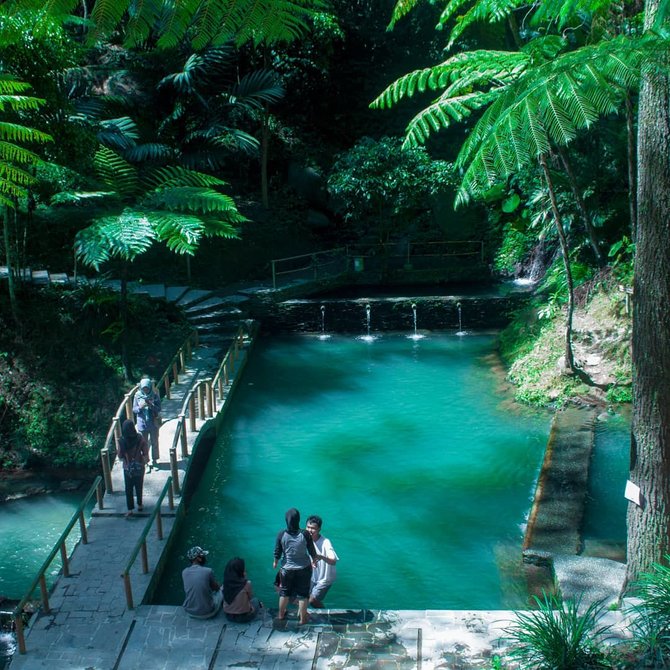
column 125, row 409
column 141, row 544
column 60, row 546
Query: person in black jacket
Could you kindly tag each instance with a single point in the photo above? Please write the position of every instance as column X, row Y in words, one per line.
column 296, row 549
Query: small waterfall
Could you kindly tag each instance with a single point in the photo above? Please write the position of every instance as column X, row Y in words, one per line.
column 460, row 319
column 323, row 335
column 367, row 337
column 415, row 335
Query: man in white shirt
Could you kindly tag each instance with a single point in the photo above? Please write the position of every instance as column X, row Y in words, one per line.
column 325, row 572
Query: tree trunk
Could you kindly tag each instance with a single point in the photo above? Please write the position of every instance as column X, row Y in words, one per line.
column 649, row 524
column 123, row 309
column 265, row 141
column 632, row 180
column 565, row 252
column 10, row 270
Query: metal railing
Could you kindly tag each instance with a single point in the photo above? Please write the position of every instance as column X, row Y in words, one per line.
column 339, row 261
column 60, row 546
column 125, row 409
column 201, row 401
column 141, row 544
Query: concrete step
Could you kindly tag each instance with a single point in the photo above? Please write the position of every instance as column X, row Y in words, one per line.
column 218, row 316
column 193, row 296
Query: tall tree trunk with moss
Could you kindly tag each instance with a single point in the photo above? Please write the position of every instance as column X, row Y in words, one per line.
column 11, row 288
column 649, row 523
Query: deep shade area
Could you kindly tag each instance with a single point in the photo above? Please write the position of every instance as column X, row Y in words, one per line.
column 412, row 451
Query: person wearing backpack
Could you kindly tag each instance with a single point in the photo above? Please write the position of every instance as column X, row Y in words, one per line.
column 134, row 454
column 296, row 549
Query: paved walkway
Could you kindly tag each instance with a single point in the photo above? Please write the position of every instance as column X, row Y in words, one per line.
column 91, row 627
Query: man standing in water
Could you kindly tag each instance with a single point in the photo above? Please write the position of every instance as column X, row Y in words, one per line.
column 325, row 572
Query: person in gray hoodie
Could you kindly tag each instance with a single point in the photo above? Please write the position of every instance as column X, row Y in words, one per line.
column 296, row 549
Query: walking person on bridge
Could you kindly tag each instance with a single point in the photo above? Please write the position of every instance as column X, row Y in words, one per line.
column 134, row 454
column 147, row 409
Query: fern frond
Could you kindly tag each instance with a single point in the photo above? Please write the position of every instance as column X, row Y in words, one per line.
column 401, row 9
column 19, row 103
column 176, row 176
column 125, row 236
column 14, row 153
column 191, row 199
column 180, row 232
column 14, row 132
column 492, row 11
column 82, row 198
column 10, row 86
column 107, row 15
column 115, row 172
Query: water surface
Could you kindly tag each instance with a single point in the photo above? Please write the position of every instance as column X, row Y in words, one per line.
column 416, row 457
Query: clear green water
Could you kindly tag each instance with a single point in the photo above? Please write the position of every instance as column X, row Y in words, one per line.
column 420, row 464
column 29, row 528
column 605, row 513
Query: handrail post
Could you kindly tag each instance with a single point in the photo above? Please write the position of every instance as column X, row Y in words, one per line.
column 116, row 421
column 181, row 426
column 201, row 402
column 159, row 524
column 188, row 349
column 225, row 374
column 170, row 499
column 174, row 471
column 18, row 628
column 129, row 590
column 175, row 373
column 166, row 384
column 145, row 558
column 182, row 362
column 220, row 382
column 106, row 471
column 99, row 494
column 209, row 390
column 129, row 406
column 82, row 528
column 191, row 412
column 63, row 555
column 44, row 594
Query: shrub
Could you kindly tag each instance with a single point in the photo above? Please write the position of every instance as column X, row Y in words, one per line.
column 557, row 636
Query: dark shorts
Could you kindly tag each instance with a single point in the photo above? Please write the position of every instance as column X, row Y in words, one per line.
column 295, row 583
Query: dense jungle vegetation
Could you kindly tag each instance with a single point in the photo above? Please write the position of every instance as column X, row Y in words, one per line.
column 137, row 135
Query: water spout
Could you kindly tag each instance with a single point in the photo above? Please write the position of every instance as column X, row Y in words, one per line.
column 323, row 335
column 460, row 319
column 367, row 317
column 415, row 335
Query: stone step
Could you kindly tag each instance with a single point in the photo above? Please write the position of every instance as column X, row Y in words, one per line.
column 193, row 296
column 223, row 316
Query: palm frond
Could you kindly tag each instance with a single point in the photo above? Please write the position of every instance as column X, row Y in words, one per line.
column 119, row 134
column 258, row 88
column 150, row 152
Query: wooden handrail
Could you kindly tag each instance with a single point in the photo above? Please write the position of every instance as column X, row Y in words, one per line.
column 141, row 544
column 59, row 547
column 174, row 367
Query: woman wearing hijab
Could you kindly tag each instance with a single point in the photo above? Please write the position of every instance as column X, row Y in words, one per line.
column 134, row 454
column 239, row 603
column 296, row 549
column 147, row 409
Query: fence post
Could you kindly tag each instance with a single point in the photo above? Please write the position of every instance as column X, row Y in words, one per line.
column 82, row 528
column 63, row 555
column 191, row 412
column 201, row 401
column 20, row 637
column 99, row 494
column 167, row 387
column 129, row 590
column 174, row 471
column 209, row 390
column 175, row 372
column 129, row 406
column 145, row 558
column 45, row 594
column 181, row 427
column 106, row 471
column 159, row 524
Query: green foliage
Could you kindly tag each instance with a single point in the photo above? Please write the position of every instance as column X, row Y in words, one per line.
column 558, row 636
column 380, row 186
column 554, row 285
column 514, row 248
column 623, row 255
column 651, row 623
